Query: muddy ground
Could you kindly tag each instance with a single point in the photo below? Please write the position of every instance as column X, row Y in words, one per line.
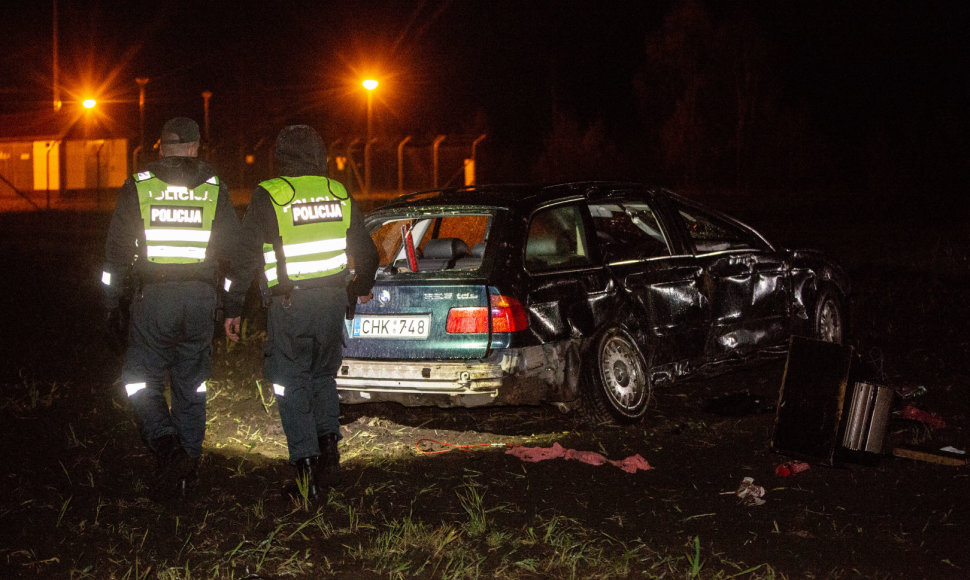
column 73, row 473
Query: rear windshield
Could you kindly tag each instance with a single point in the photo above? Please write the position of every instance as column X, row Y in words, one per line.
column 433, row 242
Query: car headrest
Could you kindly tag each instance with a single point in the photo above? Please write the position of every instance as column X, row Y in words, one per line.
column 445, row 249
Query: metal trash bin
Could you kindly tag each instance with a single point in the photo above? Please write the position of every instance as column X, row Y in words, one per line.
column 868, row 417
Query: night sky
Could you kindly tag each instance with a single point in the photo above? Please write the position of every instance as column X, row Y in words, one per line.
column 866, row 83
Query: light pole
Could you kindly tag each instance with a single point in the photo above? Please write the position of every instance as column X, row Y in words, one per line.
column 142, row 81
column 56, row 71
column 370, row 85
column 206, row 95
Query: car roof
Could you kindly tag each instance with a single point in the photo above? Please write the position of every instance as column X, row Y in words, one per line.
column 518, row 196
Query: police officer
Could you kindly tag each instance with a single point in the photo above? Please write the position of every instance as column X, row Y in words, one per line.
column 173, row 225
column 302, row 228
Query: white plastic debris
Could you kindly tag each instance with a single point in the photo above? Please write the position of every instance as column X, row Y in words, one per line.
column 749, row 493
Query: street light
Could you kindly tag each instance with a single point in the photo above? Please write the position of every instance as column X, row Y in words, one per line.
column 142, row 81
column 370, row 85
column 89, row 103
column 206, row 95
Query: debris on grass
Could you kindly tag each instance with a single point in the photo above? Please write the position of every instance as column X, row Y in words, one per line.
column 631, row 464
column 953, row 459
column 908, row 392
column 791, row 468
column 915, row 414
column 748, row 492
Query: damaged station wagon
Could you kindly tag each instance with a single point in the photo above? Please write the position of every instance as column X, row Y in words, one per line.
column 583, row 295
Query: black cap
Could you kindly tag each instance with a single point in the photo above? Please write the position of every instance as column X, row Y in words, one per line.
column 180, row 130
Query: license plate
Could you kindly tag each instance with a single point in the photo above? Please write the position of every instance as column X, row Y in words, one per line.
column 401, row 326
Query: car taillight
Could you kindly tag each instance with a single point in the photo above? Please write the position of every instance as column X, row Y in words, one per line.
column 506, row 312
column 467, row 320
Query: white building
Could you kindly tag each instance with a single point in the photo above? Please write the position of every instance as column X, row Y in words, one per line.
column 50, row 158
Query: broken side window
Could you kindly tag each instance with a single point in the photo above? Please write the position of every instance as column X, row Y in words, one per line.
column 713, row 234
column 628, row 231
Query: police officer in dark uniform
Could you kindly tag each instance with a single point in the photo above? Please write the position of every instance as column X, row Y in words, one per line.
column 173, row 225
column 303, row 229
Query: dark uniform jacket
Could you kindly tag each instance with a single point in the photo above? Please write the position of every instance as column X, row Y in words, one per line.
column 259, row 226
column 126, row 234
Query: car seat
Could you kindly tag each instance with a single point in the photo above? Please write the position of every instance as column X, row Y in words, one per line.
column 473, row 260
column 441, row 253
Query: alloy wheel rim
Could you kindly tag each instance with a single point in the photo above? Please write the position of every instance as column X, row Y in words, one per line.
column 623, row 376
column 829, row 323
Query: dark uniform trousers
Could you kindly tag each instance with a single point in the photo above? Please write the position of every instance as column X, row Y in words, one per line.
column 171, row 333
column 303, row 354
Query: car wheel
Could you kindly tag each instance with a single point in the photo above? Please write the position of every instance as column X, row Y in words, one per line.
column 618, row 388
column 829, row 323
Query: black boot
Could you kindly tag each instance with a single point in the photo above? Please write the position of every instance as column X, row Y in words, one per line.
column 188, row 483
column 174, row 465
column 306, row 474
column 329, row 460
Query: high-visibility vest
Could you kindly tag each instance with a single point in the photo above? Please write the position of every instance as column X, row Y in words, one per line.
column 313, row 214
column 178, row 219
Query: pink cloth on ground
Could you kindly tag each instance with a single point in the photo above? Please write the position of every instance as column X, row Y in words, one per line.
column 533, row 454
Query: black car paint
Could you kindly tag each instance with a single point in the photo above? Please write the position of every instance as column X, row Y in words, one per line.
column 689, row 313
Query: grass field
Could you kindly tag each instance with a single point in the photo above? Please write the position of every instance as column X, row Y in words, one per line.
column 74, row 473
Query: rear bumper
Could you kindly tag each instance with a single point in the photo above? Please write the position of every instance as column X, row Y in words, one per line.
column 528, row 375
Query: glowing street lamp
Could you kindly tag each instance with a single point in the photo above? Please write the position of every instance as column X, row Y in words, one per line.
column 370, row 85
column 89, row 103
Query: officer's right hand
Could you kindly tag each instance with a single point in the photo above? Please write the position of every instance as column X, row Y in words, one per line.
column 232, row 328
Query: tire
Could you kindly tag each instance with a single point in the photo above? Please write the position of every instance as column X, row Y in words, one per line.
column 828, row 322
column 618, row 388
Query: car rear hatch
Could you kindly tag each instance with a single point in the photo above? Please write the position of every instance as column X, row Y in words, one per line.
column 431, row 296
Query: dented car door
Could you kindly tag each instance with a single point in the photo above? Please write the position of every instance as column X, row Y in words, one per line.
column 745, row 280
column 659, row 283
column 566, row 286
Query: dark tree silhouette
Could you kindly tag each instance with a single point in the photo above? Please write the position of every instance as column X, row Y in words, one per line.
column 574, row 151
column 678, row 57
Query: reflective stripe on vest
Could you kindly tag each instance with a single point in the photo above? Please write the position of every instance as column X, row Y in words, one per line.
column 313, row 214
column 132, row 388
column 178, row 220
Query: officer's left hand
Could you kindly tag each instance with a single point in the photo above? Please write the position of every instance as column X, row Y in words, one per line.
column 365, row 299
column 232, row 328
